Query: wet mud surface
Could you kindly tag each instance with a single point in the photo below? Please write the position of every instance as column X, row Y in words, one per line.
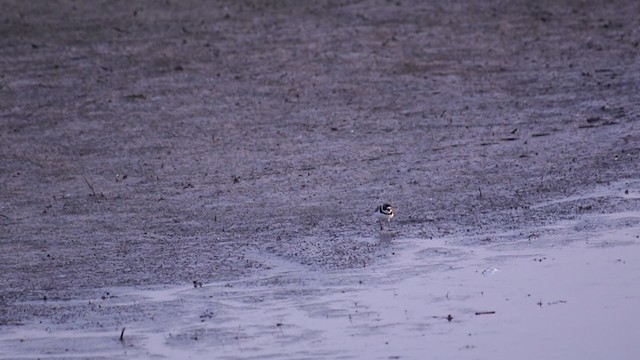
column 243, row 146
column 563, row 289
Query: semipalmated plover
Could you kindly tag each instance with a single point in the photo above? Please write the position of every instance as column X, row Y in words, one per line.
column 384, row 212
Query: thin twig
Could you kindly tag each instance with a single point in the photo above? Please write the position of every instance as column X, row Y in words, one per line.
column 122, row 335
column 485, row 312
column 93, row 191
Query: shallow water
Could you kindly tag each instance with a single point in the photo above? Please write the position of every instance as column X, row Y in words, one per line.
column 567, row 294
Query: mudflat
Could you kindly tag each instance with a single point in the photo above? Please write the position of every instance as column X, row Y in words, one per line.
column 161, row 145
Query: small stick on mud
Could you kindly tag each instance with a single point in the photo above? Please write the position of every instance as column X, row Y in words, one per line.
column 485, row 312
column 480, row 191
column 93, row 191
column 122, row 335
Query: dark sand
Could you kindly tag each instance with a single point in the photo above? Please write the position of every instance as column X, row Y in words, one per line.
column 154, row 144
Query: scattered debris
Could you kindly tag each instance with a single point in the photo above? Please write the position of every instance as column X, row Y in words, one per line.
column 136, row 97
column 557, row 302
column 489, row 271
column 485, row 312
column 93, row 191
column 187, row 185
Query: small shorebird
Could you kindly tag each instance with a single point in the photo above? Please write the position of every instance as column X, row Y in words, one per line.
column 384, row 212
